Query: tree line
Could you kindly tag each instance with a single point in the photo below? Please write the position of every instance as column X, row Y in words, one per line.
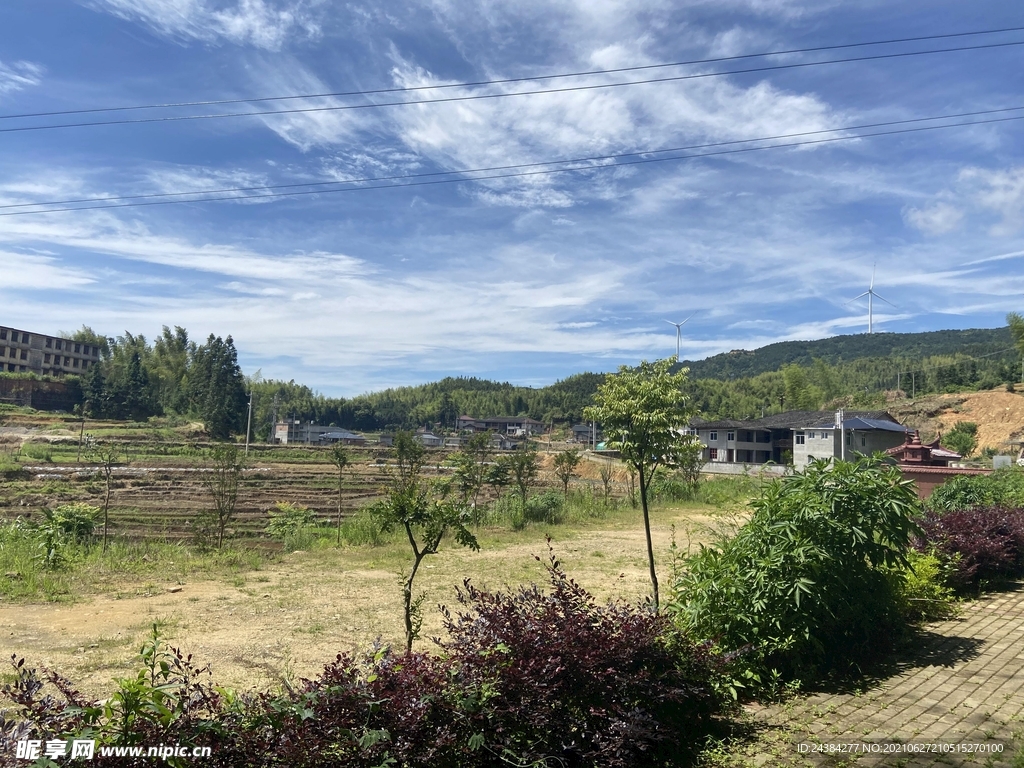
column 176, row 375
column 137, row 379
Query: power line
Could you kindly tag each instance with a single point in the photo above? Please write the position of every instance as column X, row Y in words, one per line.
column 521, row 174
column 483, row 96
column 505, row 81
column 592, row 158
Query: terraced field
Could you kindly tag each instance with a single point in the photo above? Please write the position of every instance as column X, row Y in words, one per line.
column 160, row 497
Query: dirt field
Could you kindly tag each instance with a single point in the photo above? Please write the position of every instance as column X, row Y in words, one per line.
column 999, row 415
column 287, row 620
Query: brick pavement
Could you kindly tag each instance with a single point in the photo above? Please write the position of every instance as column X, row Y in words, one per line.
column 961, row 682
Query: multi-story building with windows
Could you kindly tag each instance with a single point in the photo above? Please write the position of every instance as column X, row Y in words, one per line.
column 28, row 352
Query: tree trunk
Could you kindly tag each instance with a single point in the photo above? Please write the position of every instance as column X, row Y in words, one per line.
column 647, row 530
column 106, row 508
column 408, row 601
column 339, row 507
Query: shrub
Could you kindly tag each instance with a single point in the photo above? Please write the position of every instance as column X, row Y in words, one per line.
column 922, row 590
column 37, row 451
column 962, row 438
column 981, row 543
column 962, row 492
column 806, row 585
column 287, row 519
column 544, row 508
column 527, row 678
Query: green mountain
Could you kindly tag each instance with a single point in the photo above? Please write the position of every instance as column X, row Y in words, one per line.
column 742, row 363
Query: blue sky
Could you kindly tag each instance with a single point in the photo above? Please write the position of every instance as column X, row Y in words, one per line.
column 528, row 279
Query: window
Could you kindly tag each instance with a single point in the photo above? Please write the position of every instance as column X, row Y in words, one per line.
column 849, row 438
column 60, row 344
column 67, row 361
column 863, row 440
column 78, row 349
column 74, row 364
column 730, row 436
column 95, row 352
column 46, row 358
column 712, row 437
column 85, row 364
column 24, row 354
column 12, row 367
column 3, row 333
column 85, row 350
column 24, row 338
column 49, row 343
column 3, row 351
column 713, row 453
column 799, row 438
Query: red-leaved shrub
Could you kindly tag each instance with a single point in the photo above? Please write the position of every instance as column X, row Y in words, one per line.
column 982, row 543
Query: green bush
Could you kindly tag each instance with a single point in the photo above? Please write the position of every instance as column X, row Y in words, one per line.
column 361, row 529
column 806, row 586
column 37, row 451
column 962, row 438
column 287, row 519
column 922, row 588
column 1003, row 488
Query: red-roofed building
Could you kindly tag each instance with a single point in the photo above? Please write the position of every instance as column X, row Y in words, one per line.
column 915, row 453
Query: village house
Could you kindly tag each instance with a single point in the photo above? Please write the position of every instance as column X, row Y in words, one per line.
column 797, row 436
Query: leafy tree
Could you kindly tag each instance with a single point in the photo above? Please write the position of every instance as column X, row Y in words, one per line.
column 962, row 438
column 216, row 387
column 565, row 467
column 522, row 468
column 642, row 411
column 222, row 480
column 172, row 352
column 1016, row 322
column 471, row 466
column 339, row 458
column 499, row 475
column 410, row 504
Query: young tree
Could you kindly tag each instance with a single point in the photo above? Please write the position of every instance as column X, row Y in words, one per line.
column 499, row 475
column 470, row 466
column 339, row 458
column 962, row 438
column 222, row 479
column 108, row 456
column 643, row 411
column 607, row 471
column 410, row 504
column 523, row 467
column 565, row 467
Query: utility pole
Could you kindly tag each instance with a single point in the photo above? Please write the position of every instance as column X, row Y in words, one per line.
column 248, row 425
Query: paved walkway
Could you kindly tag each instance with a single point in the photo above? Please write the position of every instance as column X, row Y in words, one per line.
column 962, row 683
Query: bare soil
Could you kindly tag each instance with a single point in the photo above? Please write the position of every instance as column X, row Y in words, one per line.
column 999, row 415
column 289, row 619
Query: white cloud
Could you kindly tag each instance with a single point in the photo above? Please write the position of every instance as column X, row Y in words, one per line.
column 936, row 219
column 999, row 191
column 19, row 75
column 32, row 271
column 263, row 24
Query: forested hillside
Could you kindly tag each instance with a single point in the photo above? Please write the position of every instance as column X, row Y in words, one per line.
column 741, row 363
column 177, row 376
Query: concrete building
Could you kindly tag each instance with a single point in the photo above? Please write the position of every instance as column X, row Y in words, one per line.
column 28, row 352
column 306, row 433
column 506, row 425
column 797, row 436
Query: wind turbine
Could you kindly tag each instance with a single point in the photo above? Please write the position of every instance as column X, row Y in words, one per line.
column 679, row 331
column 870, row 293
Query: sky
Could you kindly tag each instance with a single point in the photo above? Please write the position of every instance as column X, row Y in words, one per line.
column 525, row 279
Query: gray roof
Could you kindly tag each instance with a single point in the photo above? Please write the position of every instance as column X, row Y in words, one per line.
column 802, row 420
